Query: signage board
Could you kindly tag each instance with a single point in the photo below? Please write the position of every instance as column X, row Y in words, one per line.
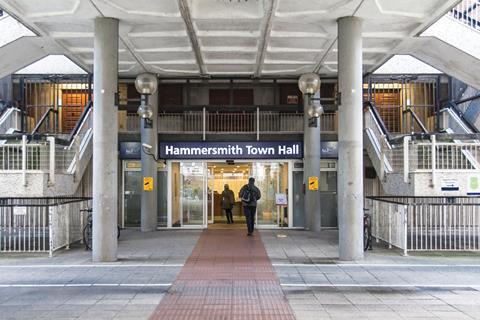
column 449, row 184
column 19, row 211
column 130, row 150
column 229, row 150
column 281, row 199
column 313, row 183
column 148, row 183
column 473, row 185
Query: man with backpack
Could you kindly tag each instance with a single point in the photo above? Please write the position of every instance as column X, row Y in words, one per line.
column 250, row 194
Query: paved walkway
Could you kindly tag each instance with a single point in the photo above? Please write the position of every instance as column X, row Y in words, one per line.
column 385, row 285
column 222, row 274
column 227, row 276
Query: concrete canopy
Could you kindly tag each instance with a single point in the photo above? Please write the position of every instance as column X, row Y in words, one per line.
column 257, row 38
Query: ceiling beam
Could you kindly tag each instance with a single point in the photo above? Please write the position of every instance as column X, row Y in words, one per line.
column 185, row 12
column 265, row 39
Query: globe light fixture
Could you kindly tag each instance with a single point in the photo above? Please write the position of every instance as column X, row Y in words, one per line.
column 309, row 83
column 146, row 83
column 145, row 111
column 315, row 111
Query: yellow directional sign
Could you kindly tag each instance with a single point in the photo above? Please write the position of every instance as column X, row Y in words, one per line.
column 313, row 183
column 148, row 183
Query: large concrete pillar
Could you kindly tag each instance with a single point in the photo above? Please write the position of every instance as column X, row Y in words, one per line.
column 311, row 166
column 350, row 139
column 149, row 135
column 105, row 140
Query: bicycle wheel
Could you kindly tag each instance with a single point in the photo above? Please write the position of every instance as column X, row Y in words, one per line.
column 87, row 236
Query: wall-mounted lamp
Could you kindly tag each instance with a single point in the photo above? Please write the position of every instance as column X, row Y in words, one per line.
column 309, row 84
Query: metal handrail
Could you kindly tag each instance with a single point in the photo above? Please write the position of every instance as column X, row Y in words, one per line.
column 453, row 106
column 42, row 120
column 79, row 123
column 416, row 119
column 370, row 105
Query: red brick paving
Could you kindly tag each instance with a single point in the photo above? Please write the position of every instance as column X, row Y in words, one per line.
column 227, row 276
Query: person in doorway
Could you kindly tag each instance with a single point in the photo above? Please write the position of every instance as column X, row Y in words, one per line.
column 228, row 200
column 250, row 194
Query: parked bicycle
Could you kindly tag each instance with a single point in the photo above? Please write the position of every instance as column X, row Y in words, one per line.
column 87, row 230
column 367, row 231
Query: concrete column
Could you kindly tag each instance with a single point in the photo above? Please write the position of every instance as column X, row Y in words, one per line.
column 105, row 140
column 311, row 167
column 350, row 139
column 149, row 135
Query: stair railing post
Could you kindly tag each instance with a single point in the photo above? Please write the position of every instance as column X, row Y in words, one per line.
column 77, row 158
column 434, row 158
column 382, row 157
column 406, row 159
column 24, row 160
column 51, row 162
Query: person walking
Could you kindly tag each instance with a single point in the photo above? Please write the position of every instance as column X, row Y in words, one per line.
column 250, row 194
column 228, row 200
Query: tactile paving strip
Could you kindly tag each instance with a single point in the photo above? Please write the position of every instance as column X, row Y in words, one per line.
column 227, row 276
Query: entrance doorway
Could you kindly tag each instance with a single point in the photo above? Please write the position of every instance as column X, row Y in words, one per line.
column 196, row 192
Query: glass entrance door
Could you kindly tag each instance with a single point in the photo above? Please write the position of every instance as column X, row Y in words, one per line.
column 189, row 204
column 271, row 178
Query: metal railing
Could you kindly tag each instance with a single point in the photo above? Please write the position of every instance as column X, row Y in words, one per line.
column 41, row 224
column 427, row 223
column 11, row 121
column 467, row 12
column 410, row 156
column 235, row 122
column 36, row 157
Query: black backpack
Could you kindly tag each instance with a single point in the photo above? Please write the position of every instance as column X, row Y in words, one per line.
column 247, row 195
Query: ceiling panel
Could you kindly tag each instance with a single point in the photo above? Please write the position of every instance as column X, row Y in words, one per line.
column 275, row 37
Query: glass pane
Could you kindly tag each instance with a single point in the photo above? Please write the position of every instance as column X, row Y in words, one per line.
column 176, row 194
column 132, row 203
column 271, row 178
column 162, row 198
column 298, row 200
column 192, row 192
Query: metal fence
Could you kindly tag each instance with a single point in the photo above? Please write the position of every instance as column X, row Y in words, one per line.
column 467, row 12
column 427, row 223
column 65, row 96
column 393, row 97
column 36, row 157
column 41, row 224
column 232, row 122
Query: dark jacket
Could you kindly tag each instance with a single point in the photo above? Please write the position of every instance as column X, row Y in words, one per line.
column 256, row 195
column 228, row 199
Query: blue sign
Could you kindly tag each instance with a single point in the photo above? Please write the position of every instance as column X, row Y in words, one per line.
column 130, row 150
column 231, row 150
column 228, row 150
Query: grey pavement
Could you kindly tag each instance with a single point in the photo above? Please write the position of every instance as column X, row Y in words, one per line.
column 70, row 286
column 385, row 285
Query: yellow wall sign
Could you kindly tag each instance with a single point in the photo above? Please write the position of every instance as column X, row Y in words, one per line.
column 313, row 183
column 147, row 183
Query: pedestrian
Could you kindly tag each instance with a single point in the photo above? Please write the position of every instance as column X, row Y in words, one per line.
column 250, row 194
column 228, row 200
